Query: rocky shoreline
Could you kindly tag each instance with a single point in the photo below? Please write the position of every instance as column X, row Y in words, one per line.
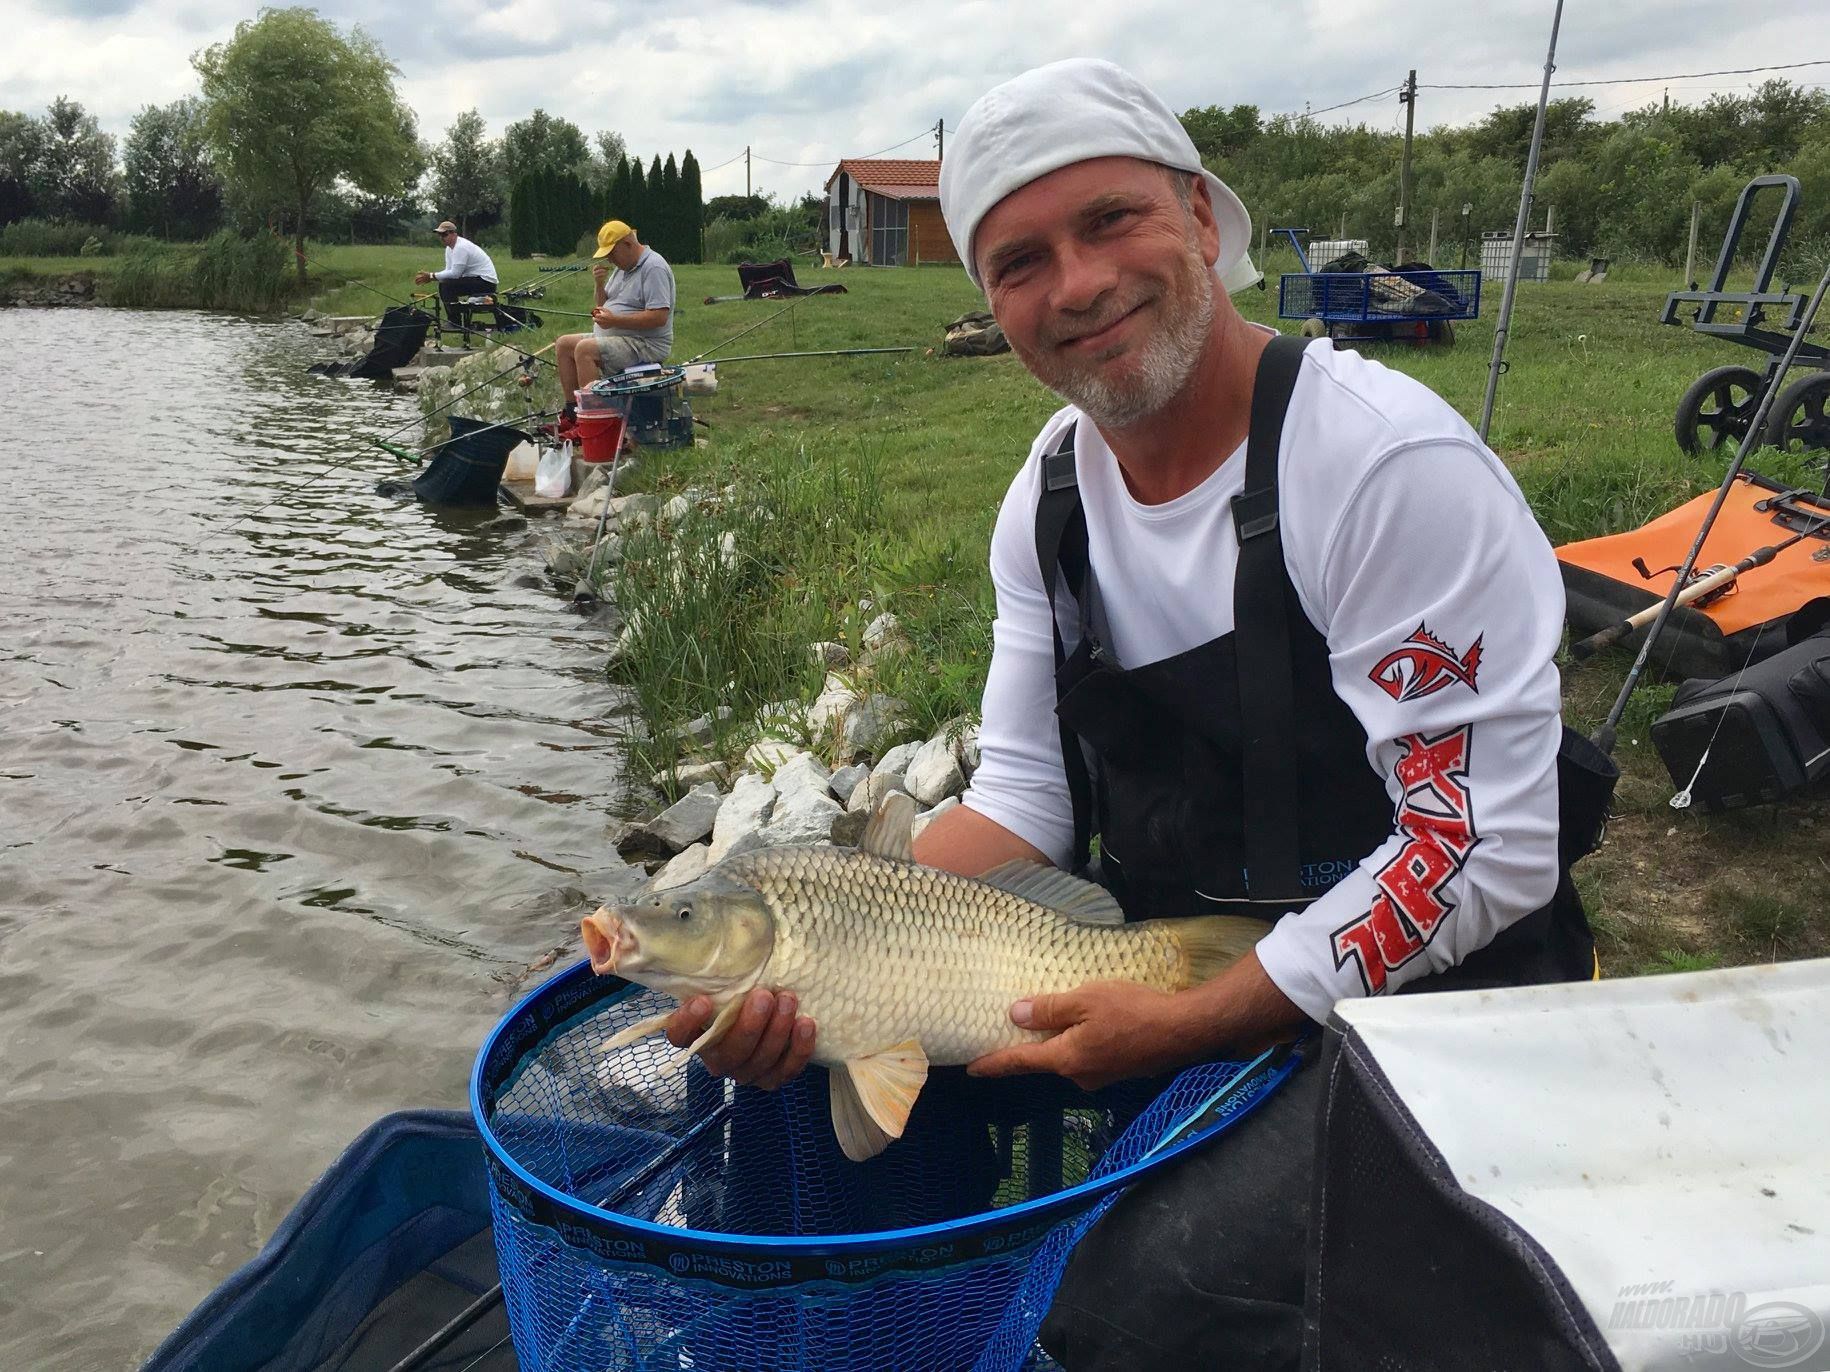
column 72, row 289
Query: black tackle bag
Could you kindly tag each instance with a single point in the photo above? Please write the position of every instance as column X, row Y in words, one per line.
column 1761, row 734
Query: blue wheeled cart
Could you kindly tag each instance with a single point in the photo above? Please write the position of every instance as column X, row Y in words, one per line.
column 1414, row 304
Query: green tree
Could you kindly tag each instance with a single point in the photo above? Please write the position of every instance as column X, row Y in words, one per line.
column 292, row 106
column 544, row 142
column 692, row 202
column 466, row 172
column 637, row 210
column 654, row 203
column 1222, row 133
column 172, row 187
column 76, row 178
column 611, row 152
column 672, row 217
column 21, row 150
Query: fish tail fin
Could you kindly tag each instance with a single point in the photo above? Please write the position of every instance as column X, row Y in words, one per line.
column 1212, row 943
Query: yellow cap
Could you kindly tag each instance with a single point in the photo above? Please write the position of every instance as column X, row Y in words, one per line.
column 613, row 232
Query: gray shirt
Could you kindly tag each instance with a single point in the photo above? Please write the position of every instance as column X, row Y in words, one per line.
column 648, row 285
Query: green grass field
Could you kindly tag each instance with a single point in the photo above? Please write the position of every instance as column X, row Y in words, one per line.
column 1584, row 420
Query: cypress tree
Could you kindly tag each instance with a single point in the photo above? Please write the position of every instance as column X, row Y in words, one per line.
column 673, row 217
column 518, row 244
column 693, row 203
column 637, row 208
column 655, row 205
column 616, row 203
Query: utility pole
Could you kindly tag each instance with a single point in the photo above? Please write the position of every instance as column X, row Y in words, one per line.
column 746, row 172
column 940, row 138
column 1407, row 96
column 1690, row 258
column 1435, row 215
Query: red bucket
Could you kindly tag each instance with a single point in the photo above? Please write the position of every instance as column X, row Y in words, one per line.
column 599, row 436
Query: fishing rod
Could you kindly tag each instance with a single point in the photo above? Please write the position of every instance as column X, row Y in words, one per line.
column 741, row 332
column 1500, row 331
column 415, row 454
column 1711, row 583
column 826, row 352
column 1604, row 736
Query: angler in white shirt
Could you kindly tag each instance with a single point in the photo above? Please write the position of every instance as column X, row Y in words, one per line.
column 467, row 271
column 1277, row 629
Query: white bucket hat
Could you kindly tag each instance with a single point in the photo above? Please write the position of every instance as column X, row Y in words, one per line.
column 1052, row 117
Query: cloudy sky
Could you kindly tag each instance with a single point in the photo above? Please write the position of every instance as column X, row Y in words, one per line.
column 808, row 81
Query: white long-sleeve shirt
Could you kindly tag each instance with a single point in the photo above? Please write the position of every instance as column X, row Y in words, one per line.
column 464, row 258
column 1411, row 548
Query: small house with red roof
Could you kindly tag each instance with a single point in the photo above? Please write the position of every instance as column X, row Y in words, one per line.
column 886, row 211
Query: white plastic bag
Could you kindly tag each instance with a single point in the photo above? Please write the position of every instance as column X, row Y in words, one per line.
column 553, row 477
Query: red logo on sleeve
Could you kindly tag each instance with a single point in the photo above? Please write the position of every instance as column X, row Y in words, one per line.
column 1422, row 665
column 1437, row 814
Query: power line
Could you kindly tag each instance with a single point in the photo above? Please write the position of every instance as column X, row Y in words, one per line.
column 1630, row 80
column 925, row 133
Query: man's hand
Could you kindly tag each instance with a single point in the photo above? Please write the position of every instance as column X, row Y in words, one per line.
column 1107, row 1031
column 603, row 317
column 767, row 1046
column 600, row 272
column 421, row 278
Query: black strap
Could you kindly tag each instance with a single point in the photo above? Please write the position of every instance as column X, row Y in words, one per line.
column 1261, row 627
column 1061, row 552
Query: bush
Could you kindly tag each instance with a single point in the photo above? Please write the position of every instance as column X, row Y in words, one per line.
column 48, row 238
column 228, row 272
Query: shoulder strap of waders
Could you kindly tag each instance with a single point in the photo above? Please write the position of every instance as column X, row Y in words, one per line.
column 1061, row 553
column 1261, row 626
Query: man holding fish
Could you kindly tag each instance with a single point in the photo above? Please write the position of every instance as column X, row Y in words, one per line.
column 1278, row 631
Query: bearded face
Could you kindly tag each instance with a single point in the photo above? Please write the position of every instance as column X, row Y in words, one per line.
column 1099, row 276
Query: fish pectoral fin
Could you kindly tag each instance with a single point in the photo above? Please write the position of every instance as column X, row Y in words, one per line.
column 872, row 1097
column 1212, row 943
column 717, row 1029
column 641, row 1029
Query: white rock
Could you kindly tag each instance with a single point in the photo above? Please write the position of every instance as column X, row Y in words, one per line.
column 700, row 730
column 688, row 864
column 727, row 548
column 688, row 819
column 693, row 774
column 846, row 780
column 746, row 843
column 924, row 820
column 897, row 760
column 801, row 816
column 934, row 773
column 640, row 503
column 676, row 509
column 869, row 722
column 830, row 654
column 869, row 793
column 829, row 709
column 769, row 752
column 744, row 811
column 881, row 630
column 802, row 772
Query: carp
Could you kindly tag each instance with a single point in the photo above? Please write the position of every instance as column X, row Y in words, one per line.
column 900, row 966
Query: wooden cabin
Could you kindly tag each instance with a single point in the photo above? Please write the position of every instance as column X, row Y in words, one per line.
column 886, row 211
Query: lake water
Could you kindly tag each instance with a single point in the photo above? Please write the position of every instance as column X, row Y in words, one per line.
column 292, row 789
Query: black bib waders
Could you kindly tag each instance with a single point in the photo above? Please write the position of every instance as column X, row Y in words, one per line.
column 1232, row 779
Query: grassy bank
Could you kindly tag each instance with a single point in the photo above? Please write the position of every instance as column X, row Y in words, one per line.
column 227, row 272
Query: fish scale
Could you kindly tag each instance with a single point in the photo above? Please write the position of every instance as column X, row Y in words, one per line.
column 879, row 951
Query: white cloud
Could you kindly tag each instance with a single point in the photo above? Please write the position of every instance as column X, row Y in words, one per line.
column 811, row 80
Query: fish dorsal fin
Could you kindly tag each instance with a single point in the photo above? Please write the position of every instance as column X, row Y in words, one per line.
column 888, row 834
column 1050, row 886
column 872, row 1097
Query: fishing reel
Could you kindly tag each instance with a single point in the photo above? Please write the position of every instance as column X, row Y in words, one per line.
column 526, row 379
column 1697, row 574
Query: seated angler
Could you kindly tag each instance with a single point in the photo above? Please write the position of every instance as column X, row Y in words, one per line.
column 633, row 320
column 467, row 271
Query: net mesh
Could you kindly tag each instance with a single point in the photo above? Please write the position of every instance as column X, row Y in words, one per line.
column 648, row 1215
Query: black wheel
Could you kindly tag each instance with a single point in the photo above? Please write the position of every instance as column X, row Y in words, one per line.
column 1717, row 408
column 1797, row 422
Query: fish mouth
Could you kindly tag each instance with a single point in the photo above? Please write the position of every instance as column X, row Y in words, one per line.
column 608, row 940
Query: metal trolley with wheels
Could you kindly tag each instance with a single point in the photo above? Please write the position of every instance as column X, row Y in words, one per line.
column 1412, row 303
column 1716, row 410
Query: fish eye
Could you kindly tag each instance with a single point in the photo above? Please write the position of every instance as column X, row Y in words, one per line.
column 686, row 912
